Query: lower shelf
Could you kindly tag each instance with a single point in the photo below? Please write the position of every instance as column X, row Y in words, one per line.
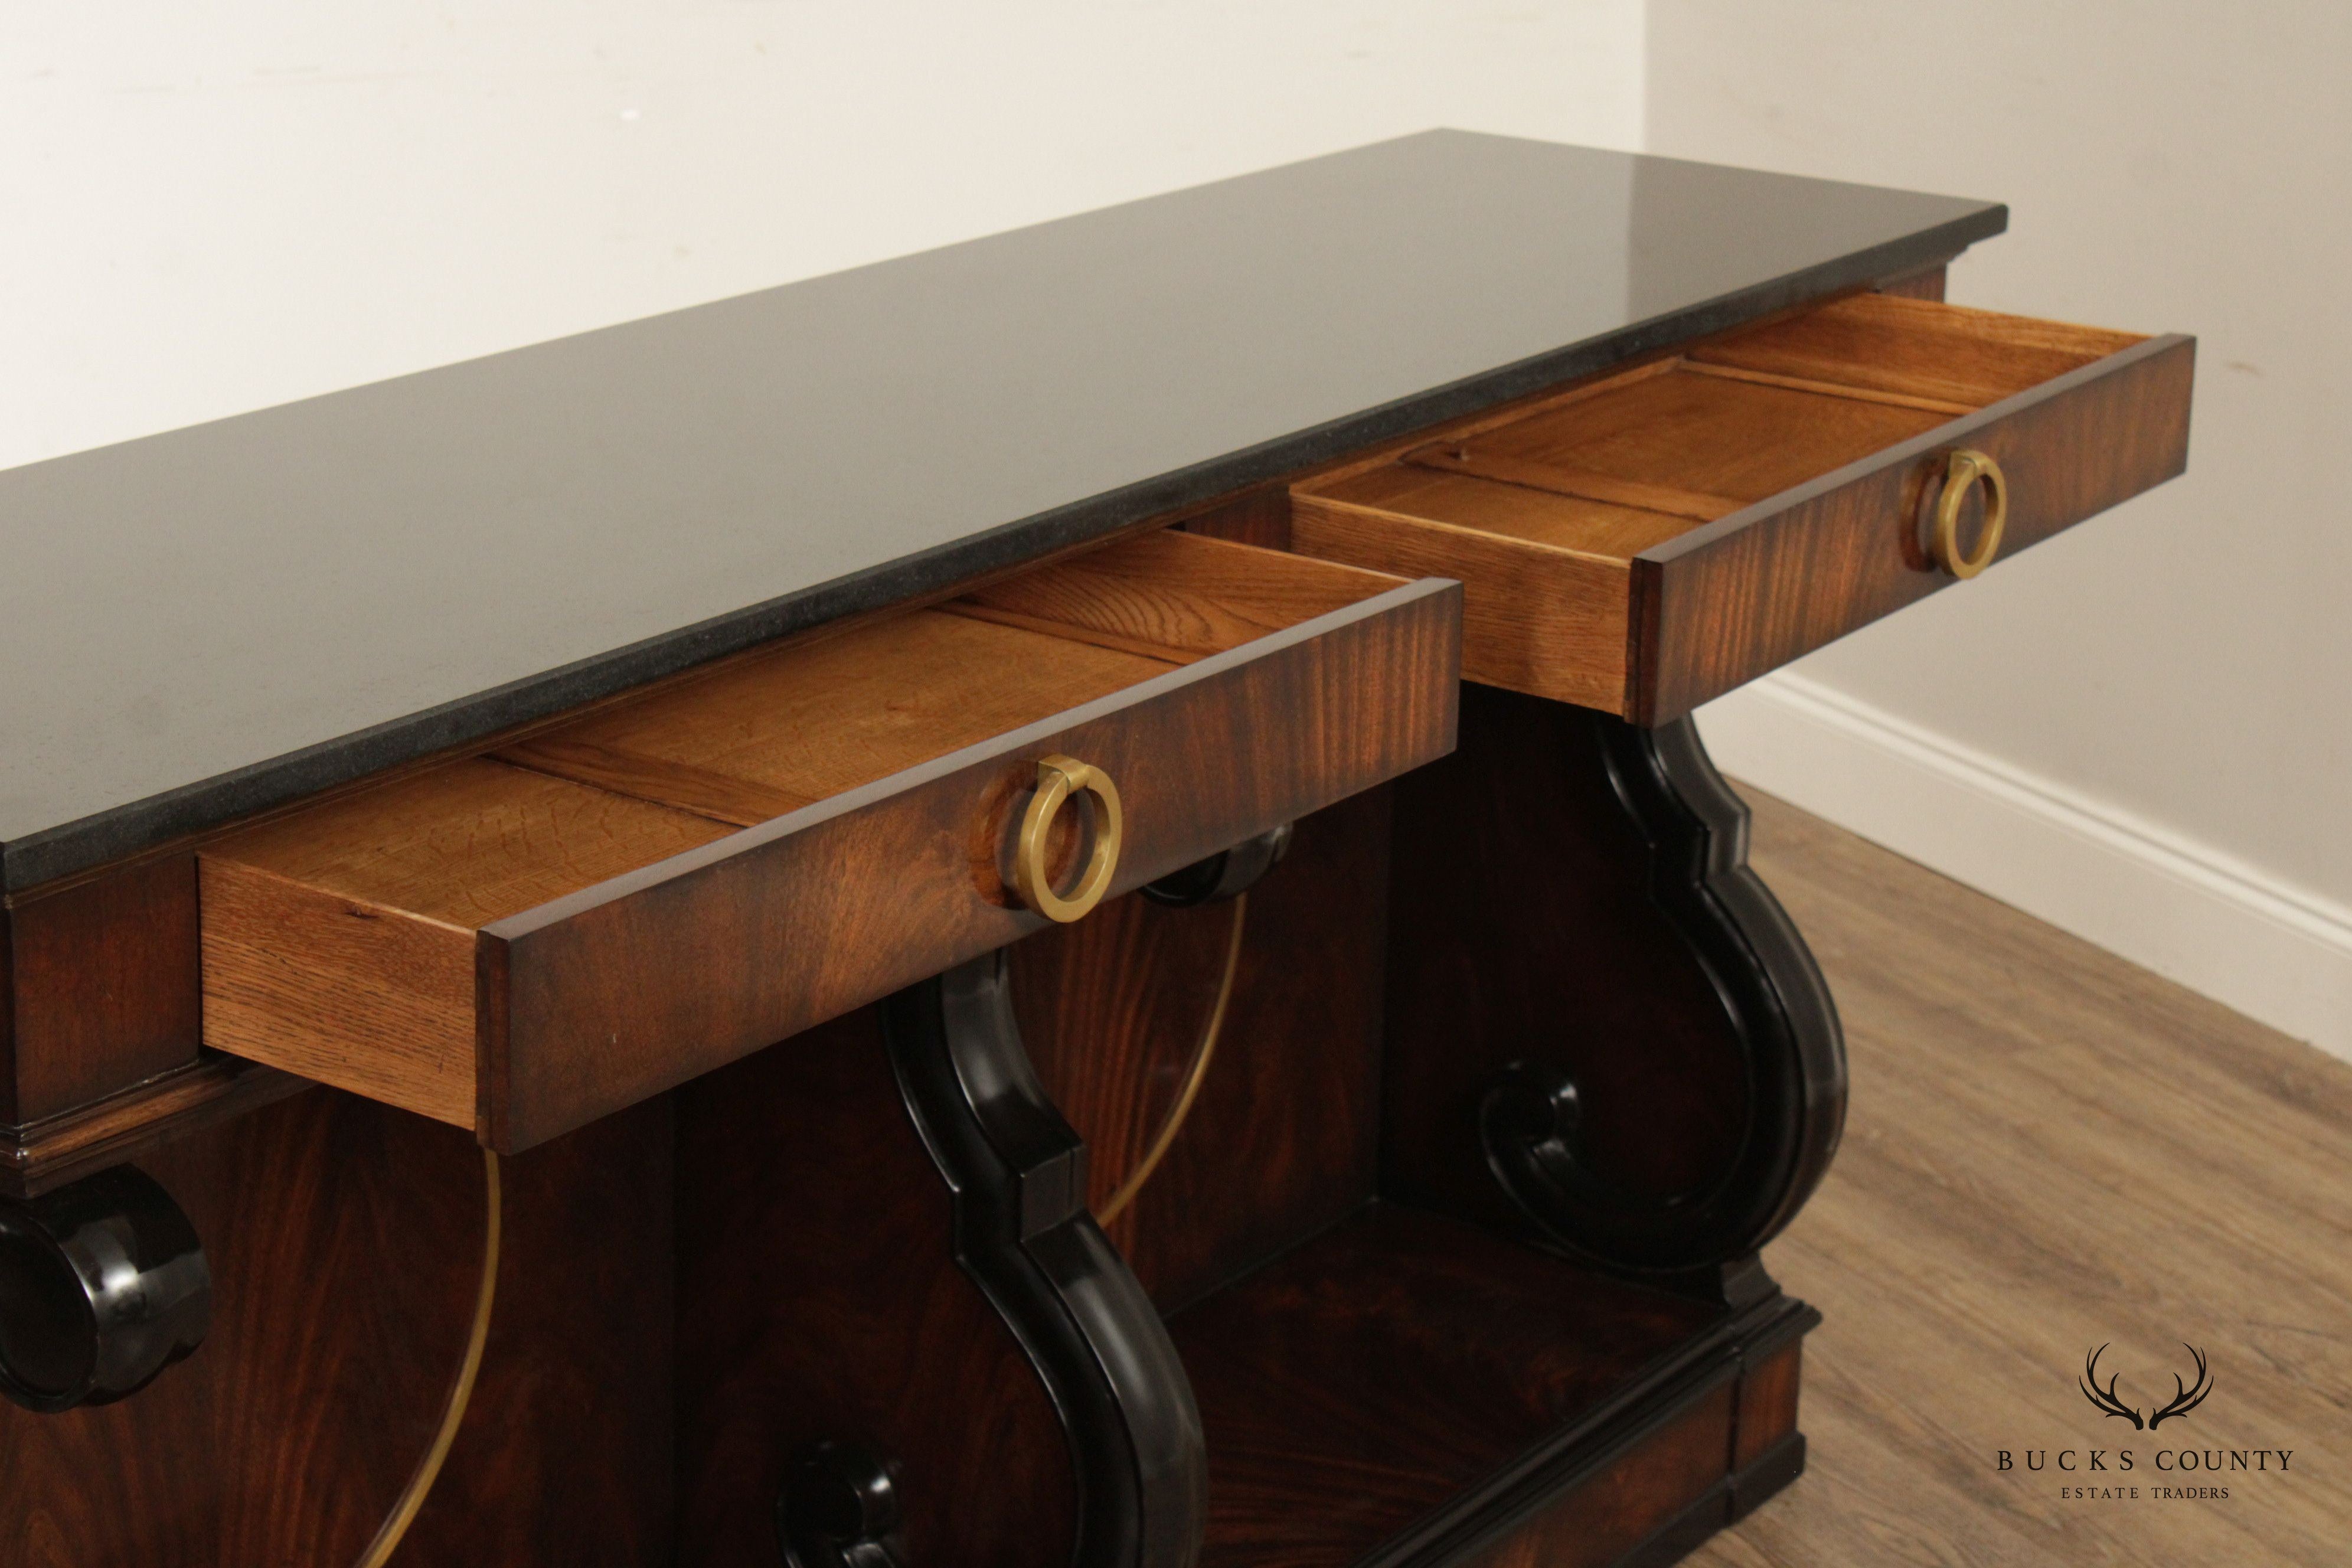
column 1407, row 1390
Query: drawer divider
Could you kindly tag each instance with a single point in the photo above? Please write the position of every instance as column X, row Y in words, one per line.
column 1582, row 484
column 1698, row 367
column 682, row 786
column 1092, row 636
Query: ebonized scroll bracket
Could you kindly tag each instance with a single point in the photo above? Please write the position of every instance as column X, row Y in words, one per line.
column 1023, row 1233
column 1600, row 1015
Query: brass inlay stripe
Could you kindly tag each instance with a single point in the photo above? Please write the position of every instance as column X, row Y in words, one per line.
column 461, row 1394
column 1199, row 1070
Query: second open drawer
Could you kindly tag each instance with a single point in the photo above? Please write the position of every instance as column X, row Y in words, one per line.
column 1653, row 538
column 525, row 939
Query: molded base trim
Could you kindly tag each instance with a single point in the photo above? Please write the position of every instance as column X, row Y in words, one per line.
column 2182, row 908
column 1728, row 1501
column 1480, row 1529
column 1775, row 1467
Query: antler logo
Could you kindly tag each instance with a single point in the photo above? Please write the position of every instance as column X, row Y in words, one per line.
column 2186, row 1398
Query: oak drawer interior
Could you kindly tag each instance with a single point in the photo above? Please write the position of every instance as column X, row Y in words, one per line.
column 1558, row 517
column 340, row 941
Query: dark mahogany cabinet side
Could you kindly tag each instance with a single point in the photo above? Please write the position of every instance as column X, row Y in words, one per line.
column 98, row 988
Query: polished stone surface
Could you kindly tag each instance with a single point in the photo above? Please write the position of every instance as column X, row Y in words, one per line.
column 201, row 623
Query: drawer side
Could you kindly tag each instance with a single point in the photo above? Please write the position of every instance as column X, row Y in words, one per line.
column 351, row 993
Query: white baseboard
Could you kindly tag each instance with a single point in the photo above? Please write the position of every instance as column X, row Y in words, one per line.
column 2275, row 953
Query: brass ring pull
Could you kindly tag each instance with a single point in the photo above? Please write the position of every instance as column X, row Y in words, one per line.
column 1058, row 778
column 1960, row 474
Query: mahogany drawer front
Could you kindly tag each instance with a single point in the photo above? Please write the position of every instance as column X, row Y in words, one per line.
column 528, row 940
column 1650, row 540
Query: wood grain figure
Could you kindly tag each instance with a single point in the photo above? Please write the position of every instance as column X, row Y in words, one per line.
column 344, row 1240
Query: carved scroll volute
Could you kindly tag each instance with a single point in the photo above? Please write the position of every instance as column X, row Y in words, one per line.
column 1599, row 1021
column 1774, row 1005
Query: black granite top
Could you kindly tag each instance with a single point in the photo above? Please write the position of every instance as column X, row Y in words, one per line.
column 199, row 624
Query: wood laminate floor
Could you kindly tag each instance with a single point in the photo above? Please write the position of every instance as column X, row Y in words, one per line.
column 2048, row 1149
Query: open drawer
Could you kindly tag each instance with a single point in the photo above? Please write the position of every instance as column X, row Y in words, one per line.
column 1649, row 539
column 529, row 938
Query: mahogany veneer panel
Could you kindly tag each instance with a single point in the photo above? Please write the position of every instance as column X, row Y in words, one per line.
column 98, row 988
column 1768, row 1406
column 345, row 1243
column 1355, row 1385
column 1283, row 1138
column 1674, row 1476
column 819, row 1299
column 1646, row 542
column 1475, row 980
column 525, row 941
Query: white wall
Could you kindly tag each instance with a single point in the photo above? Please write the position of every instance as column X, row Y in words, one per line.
column 2142, row 730
column 211, row 207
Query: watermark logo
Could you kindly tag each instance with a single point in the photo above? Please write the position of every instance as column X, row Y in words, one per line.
column 2162, row 1475
column 2186, row 1398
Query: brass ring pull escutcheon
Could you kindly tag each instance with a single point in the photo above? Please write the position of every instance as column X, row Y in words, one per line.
column 1058, row 778
column 1967, row 467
